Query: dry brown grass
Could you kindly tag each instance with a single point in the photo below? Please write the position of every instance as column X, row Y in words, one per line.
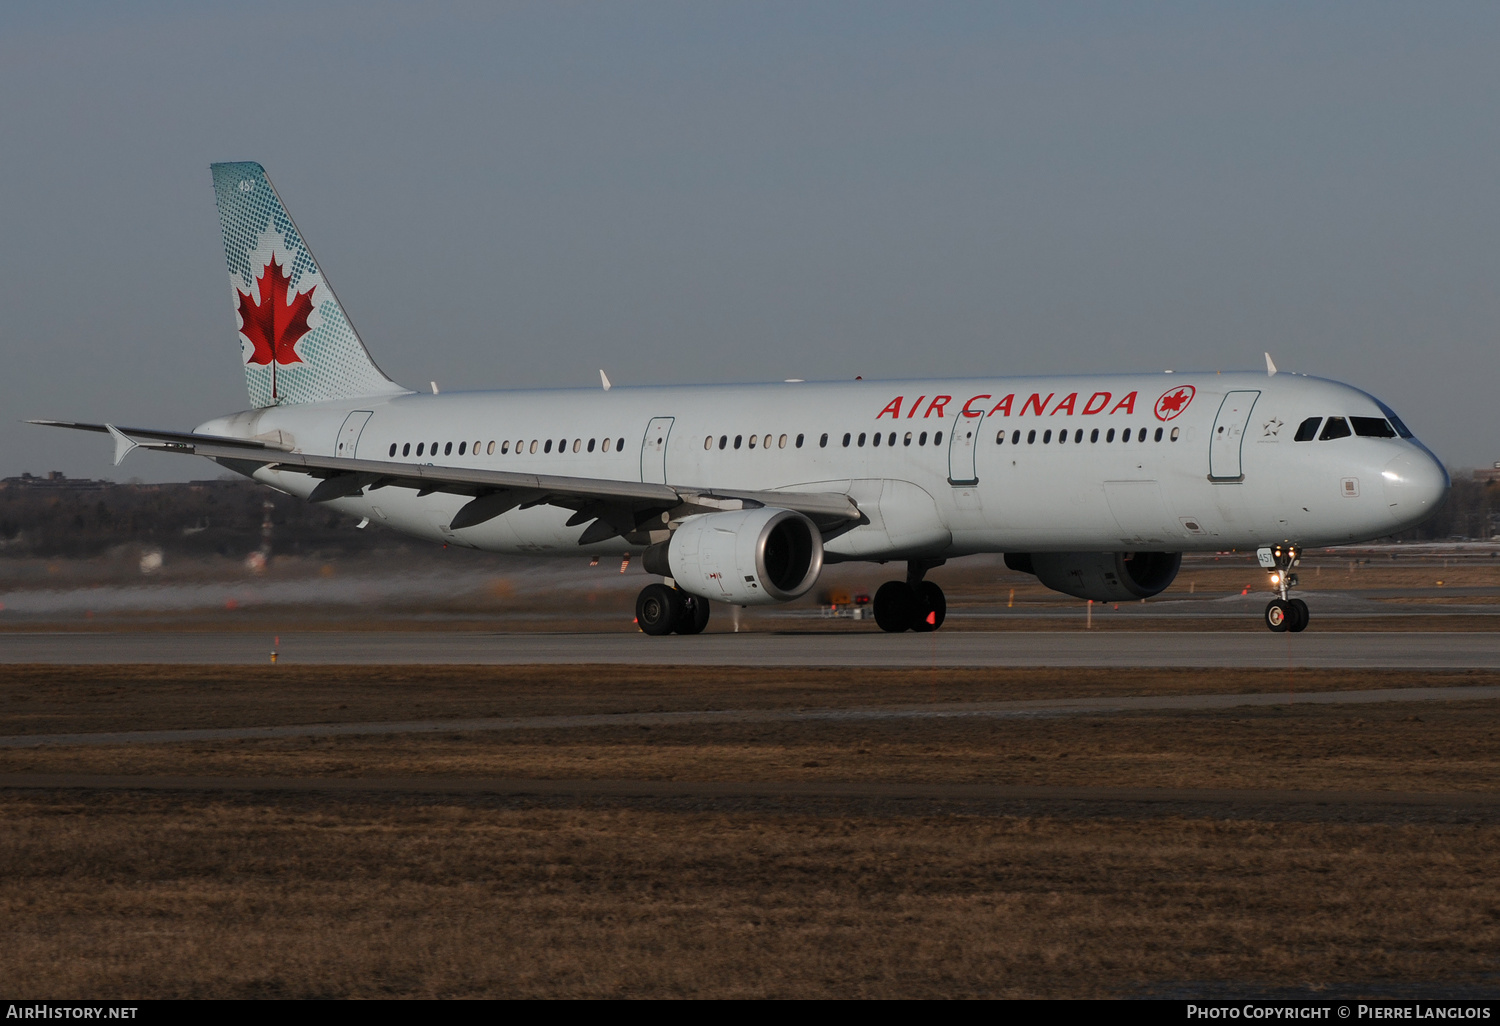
column 124, row 897
column 322, row 894
column 1438, row 747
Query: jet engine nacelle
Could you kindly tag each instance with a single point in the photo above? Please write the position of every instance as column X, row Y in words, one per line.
column 747, row 557
column 1101, row 576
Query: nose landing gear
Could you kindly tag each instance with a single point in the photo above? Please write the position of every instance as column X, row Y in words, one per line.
column 1283, row 613
column 912, row 604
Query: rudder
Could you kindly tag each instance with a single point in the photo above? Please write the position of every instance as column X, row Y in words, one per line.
column 296, row 342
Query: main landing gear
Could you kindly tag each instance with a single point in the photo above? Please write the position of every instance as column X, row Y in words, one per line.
column 1284, row 614
column 661, row 609
column 912, row 604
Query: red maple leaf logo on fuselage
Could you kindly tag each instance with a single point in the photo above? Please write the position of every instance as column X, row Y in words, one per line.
column 274, row 326
column 1174, row 402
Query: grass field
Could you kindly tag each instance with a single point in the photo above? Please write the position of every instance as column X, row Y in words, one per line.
column 142, row 892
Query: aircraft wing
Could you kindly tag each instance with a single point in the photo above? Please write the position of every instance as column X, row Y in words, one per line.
column 615, row 507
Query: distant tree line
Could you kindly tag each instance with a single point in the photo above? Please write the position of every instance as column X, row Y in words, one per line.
column 55, row 517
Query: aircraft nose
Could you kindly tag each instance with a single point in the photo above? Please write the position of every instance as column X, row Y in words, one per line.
column 1415, row 483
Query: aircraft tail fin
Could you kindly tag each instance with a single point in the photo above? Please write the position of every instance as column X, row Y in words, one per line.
column 296, row 342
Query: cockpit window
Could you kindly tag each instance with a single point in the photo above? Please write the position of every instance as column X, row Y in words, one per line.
column 1337, row 427
column 1308, row 429
column 1390, row 415
column 1372, row 427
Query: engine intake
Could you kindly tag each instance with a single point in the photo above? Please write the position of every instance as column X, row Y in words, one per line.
column 1101, row 576
column 747, row 557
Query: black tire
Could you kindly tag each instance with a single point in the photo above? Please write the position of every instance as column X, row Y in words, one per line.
column 694, row 615
column 932, row 608
column 1278, row 616
column 1299, row 616
column 657, row 609
column 895, row 607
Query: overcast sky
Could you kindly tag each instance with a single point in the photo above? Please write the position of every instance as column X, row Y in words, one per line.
column 514, row 195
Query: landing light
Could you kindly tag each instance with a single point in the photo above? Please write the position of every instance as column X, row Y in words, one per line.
column 1275, row 579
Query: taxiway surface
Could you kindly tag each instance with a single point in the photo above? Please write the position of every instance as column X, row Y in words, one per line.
column 1395, row 650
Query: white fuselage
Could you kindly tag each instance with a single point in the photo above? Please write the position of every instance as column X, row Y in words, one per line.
column 1217, row 470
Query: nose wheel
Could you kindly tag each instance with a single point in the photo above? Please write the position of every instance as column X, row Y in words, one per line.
column 1284, row 613
column 1289, row 615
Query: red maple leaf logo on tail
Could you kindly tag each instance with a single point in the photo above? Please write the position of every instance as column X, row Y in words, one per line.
column 274, row 326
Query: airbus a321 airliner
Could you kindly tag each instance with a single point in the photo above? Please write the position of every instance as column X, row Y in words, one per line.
column 741, row 493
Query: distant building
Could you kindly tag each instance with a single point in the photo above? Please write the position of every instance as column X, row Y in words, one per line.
column 1488, row 474
column 55, row 479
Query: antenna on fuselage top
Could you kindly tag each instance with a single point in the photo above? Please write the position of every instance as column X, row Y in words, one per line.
column 1270, row 367
column 604, row 379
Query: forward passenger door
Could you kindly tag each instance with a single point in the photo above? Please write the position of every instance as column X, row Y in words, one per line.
column 1229, row 435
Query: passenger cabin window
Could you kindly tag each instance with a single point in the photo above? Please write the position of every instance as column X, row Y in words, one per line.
column 922, row 438
column 420, row 447
column 937, row 439
column 461, row 447
column 1094, row 435
column 591, row 445
column 393, row 448
column 739, row 440
column 847, row 437
column 1337, row 427
column 823, row 442
column 799, row 441
column 1372, row 427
